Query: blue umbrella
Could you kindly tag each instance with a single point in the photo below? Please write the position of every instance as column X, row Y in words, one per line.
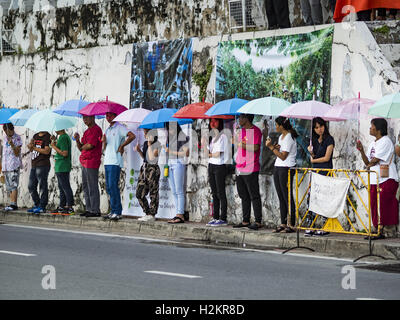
column 72, row 107
column 158, row 118
column 226, row 107
column 6, row 113
column 22, row 116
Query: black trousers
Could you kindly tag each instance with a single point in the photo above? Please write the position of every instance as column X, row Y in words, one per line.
column 277, row 13
column 281, row 187
column 249, row 191
column 216, row 177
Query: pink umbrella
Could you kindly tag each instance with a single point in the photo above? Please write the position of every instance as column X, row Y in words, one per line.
column 352, row 109
column 102, row 107
column 309, row 110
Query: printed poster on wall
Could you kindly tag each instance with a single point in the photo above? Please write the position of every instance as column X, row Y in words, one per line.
column 161, row 74
column 292, row 67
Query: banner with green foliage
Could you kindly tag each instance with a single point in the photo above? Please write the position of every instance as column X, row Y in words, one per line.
column 293, row 67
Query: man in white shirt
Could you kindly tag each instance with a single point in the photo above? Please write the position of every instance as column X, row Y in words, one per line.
column 114, row 143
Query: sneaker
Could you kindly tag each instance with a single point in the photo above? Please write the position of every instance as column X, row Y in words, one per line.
column 11, row 208
column 107, row 217
column 321, row 233
column 115, row 217
column 31, row 210
column 211, row 223
column 39, row 210
column 219, row 223
column 147, row 217
column 308, row 233
column 68, row 211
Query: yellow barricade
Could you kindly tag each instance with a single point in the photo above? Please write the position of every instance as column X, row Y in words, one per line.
column 351, row 222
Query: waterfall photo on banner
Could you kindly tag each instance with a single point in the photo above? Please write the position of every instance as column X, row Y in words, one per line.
column 161, row 74
column 292, row 67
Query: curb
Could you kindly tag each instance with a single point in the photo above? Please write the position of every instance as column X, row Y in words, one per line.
column 339, row 245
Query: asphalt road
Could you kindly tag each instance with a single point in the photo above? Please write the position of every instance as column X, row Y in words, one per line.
column 95, row 266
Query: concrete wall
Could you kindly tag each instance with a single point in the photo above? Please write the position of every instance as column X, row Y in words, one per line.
column 43, row 25
column 48, row 78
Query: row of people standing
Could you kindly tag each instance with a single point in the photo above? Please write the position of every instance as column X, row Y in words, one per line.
column 248, row 141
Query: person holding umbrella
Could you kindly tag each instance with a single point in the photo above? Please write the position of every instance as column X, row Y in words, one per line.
column 217, row 157
column 248, row 142
column 62, row 168
column 285, row 151
column 149, row 176
column 380, row 158
column 114, row 143
column 39, row 146
column 11, row 163
column 90, row 159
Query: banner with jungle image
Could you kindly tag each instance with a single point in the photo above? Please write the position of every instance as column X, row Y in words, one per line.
column 293, row 67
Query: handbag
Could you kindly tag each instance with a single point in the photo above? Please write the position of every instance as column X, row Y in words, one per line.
column 384, row 169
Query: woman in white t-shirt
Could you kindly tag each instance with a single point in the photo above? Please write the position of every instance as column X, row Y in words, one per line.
column 285, row 151
column 217, row 155
column 381, row 152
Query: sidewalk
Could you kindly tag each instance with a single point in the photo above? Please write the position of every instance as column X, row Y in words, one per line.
column 338, row 245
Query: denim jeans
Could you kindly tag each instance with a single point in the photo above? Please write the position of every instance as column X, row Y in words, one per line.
column 177, row 182
column 38, row 176
column 112, row 179
column 66, row 194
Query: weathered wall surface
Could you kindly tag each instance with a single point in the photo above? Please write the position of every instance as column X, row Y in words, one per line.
column 43, row 25
column 49, row 78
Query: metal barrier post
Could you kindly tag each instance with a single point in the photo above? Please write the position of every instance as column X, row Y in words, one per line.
column 297, row 212
column 369, row 218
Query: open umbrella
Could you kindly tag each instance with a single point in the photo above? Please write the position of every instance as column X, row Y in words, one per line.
column 102, row 107
column 158, row 118
column 47, row 120
column 22, row 116
column 268, row 106
column 72, row 107
column 351, row 109
column 387, row 107
column 226, row 107
column 309, row 110
column 6, row 113
column 197, row 111
column 135, row 115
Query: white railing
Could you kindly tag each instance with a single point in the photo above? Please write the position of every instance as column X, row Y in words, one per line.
column 243, row 14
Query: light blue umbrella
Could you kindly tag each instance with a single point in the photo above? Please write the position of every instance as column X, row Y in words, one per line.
column 226, row 107
column 158, row 118
column 47, row 120
column 387, row 107
column 21, row 117
column 72, row 107
column 268, row 106
column 6, row 113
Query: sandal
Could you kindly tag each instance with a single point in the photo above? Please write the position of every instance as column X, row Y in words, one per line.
column 241, row 225
column 255, row 226
column 176, row 219
column 288, row 230
column 279, row 229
